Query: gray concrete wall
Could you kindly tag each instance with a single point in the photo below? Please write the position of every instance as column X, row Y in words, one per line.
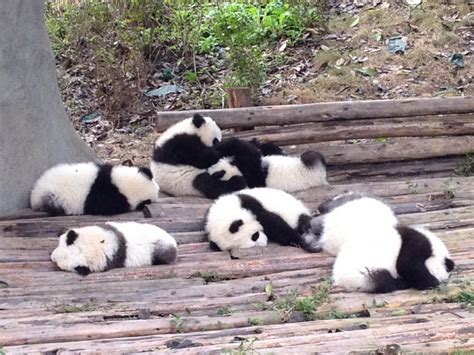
column 35, row 132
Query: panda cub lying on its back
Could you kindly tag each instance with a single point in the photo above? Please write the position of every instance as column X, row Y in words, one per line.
column 185, row 162
column 375, row 253
column 250, row 217
column 89, row 188
column 113, row 245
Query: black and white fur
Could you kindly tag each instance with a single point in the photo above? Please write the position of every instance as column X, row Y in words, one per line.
column 250, row 217
column 184, row 153
column 267, row 148
column 113, row 245
column 263, row 166
column 375, row 253
column 89, row 188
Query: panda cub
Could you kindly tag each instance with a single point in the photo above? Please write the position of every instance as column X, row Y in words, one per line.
column 113, row 245
column 89, row 188
column 184, row 153
column 375, row 253
column 266, row 165
column 293, row 174
column 251, row 217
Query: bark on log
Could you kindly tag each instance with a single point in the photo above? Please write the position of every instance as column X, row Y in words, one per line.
column 35, row 132
column 419, row 126
column 322, row 112
column 394, row 149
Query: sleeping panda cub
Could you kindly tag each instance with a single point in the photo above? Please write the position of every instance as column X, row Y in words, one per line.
column 375, row 253
column 265, row 165
column 113, row 245
column 89, row 188
column 293, row 174
column 184, row 153
column 251, row 217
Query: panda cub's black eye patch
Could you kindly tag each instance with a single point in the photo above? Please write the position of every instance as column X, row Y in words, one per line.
column 215, row 141
column 218, row 174
column 255, row 236
column 234, row 226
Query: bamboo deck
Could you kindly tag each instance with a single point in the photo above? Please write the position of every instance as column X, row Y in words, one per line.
column 215, row 302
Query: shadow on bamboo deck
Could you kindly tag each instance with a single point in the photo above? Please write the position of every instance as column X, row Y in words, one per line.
column 274, row 299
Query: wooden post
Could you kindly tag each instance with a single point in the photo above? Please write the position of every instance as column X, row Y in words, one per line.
column 240, row 97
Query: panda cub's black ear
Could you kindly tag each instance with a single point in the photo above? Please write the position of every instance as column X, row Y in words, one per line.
column 71, row 237
column 198, row 120
column 234, row 226
column 146, row 171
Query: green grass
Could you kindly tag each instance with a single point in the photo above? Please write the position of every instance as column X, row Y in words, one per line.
column 245, row 347
column 307, row 305
column 178, row 322
column 209, row 276
column 255, row 321
column 466, row 167
column 224, row 311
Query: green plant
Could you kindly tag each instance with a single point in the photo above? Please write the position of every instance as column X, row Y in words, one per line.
column 245, row 347
column 255, row 321
column 178, row 322
column 307, row 305
column 224, row 311
column 466, row 167
column 208, row 276
column 237, row 27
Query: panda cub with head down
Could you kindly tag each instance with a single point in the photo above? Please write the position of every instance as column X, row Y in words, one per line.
column 266, row 165
column 251, row 217
column 113, row 245
column 185, row 162
column 89, row 188
column 374, row 252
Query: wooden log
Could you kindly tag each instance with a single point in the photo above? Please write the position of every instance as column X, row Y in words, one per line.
column 420, row 126
column 362, row 334
column 395, row 149
column 369, row 172
column 321, row 112
column 23, row 214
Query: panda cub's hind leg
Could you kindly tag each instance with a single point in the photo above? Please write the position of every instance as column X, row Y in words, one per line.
column 164, row 253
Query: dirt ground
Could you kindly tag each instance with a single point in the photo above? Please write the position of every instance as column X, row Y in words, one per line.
column 348, row 60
